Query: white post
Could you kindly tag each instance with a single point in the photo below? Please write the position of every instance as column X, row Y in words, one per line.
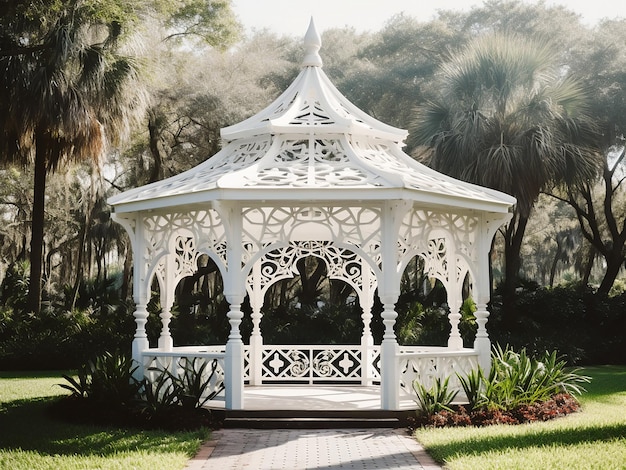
column 234, row 291
column 366, row 301
column 455, row 293
column 388, row 291
column 140, row 341
column 485, row 233
column 482, row 344
column 256, row 338
column 389, row 373
column 166, row 343
column 141, row 296
column 455, row 341
column 233, row 361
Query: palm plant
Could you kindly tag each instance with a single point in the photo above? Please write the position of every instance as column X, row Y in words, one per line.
column 510, row 118
column 437, row 398
column 516, row 378
column 65, row 92
column 107, row 379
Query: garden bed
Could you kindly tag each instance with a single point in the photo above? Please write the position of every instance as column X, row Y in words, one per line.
column 560, row 405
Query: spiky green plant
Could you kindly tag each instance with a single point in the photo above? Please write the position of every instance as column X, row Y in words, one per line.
column 159, row 394
column 194, row 384
column 473, row 384
column 436, row 398
column 108, row 378
column 516, row 378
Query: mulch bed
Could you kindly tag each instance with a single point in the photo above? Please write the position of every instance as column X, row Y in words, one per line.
column 559, row 405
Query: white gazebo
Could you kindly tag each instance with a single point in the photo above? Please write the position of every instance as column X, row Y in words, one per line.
column 313, row 175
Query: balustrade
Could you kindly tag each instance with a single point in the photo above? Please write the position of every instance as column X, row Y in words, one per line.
column 428, row 364
column 180, row 359
column 317, row 364
column 311, row 364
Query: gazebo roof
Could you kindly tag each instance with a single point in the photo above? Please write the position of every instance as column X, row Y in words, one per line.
column 311, row 144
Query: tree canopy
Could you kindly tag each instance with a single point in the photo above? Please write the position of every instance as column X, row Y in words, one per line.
column 138, row 90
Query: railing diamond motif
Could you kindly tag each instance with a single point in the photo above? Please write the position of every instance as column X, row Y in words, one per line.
column 346, row 364
column 313, row 364
column 276, row 363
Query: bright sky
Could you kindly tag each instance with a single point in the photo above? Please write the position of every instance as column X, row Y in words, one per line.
column 292, row 17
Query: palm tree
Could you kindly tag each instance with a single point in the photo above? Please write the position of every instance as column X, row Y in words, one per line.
column 510, row 118
column 64, row 93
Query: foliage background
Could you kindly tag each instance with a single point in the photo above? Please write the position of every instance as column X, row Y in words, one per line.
column 198, row 82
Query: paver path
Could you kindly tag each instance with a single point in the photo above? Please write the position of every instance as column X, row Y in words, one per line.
column 311, row 449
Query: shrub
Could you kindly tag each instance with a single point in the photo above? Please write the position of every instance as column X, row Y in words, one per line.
column 195, row 384
column 516, row 379
column 105, row 392
column 157, row 396
column 473, row 387
column 107, row 379
column 582, row 325
column 518, row 389
column 436, row 398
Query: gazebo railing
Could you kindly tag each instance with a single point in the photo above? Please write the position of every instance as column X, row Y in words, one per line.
column 156, row 361
column 428, row 364
column 312, row 364
column 317, row 364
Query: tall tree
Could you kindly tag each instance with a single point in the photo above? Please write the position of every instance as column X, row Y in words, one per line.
column 64, row 92
column 70, row 83
column 508, row 118
column 600, row 204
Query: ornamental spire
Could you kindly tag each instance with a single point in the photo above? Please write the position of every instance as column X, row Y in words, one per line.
column 312, row 45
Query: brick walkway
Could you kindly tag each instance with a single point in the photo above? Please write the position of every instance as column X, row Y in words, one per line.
column 300, row 449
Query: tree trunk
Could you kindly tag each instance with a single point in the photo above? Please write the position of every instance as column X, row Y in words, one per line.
column 310, row 280
column 555, row 262
column 153, row 130
column 614, row 261
column 513, row 237
column 127, row 273
column 82, row 238
column 33, row 303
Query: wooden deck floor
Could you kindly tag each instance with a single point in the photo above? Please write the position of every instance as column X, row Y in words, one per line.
column 313, row 398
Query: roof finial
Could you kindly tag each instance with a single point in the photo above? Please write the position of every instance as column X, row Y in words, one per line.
column 312, row 44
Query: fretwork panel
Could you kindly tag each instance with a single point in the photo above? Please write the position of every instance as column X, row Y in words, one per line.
column 311, row 364
column 359, row 226
column 209, row 366
column 426, row 368
column 280, row 263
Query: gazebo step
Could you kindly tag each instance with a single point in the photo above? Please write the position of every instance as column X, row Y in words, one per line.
column 290, row 419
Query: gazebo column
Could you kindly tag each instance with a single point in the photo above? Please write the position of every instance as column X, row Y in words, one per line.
column 256, row 338
column 389, row 291
column 234, row 291
column 489, row 223
column 389, row 373
column 454, row 289
column 366, row 301
column 140, row 341
column 141, row 294
column 455, row 341
column 233, row 363
column 482, row 344
column 166, row 342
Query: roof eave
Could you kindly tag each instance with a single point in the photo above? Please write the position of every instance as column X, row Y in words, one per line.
column 299, row 196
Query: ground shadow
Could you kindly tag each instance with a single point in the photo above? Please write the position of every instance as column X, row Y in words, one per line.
column 27, row 425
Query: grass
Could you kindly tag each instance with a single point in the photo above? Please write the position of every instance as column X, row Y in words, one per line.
column 30, row 440
column 592, row 439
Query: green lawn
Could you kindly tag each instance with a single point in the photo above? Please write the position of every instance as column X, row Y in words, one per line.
column 29, row 440
column 592, row 439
